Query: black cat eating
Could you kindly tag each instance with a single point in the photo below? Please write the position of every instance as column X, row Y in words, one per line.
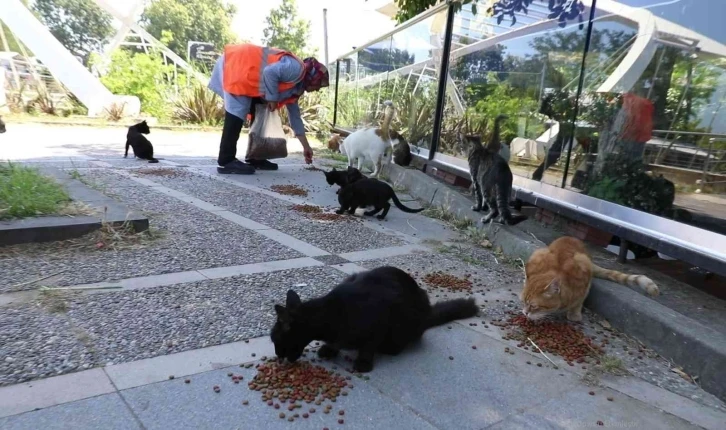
column 139, row 143
column 343, row 177
column 370, row 192
column 378, row 311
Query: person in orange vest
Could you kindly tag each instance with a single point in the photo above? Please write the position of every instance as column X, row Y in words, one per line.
column 248, row 74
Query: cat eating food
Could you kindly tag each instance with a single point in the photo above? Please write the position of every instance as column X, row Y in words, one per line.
column 370, row 192
column 371, row 145
column 343, row 178
column 378, row 311
column 139, row 143
column 491, row 176
column 557, row 278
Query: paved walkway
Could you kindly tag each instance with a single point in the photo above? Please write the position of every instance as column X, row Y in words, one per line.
column 196, row 304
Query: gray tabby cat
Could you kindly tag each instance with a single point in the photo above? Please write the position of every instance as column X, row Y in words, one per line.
column 491, row 176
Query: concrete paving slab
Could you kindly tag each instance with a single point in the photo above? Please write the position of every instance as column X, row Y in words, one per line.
column 167, row 405
column 387, row 252
column 241, row 221
column 475, row 389
column 108, row 412
column 576, row 409
column 16, row 399
column 142, row 372
column 271, row 266
column 293, row 243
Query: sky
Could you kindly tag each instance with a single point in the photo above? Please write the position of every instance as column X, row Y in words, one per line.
column 350, row 22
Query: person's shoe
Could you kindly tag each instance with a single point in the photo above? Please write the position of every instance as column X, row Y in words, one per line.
column 262, row 164
column 236, row 167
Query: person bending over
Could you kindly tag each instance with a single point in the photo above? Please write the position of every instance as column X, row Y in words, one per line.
column 273, row 76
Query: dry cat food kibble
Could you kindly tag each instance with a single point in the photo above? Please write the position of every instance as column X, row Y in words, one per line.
column 307, row 209
column 555, row 337
column 297, row 383
column 448, row 282
column 289, row 190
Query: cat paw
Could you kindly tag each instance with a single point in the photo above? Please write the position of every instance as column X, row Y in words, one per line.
column 380, row 217
column 363, row 366
column 327, row 351
column 340, row 211
column 369, row 213
column 574, row 316
column 476, row 208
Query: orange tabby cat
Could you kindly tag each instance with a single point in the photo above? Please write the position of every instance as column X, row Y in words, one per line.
column 557, row 278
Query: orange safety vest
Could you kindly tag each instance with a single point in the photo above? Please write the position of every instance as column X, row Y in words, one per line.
column 243, row 67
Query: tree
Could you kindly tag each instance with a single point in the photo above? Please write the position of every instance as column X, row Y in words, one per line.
column 190, row 20
column 285, row 30
column 80, row 25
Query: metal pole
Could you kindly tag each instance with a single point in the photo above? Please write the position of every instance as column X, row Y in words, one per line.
column 335, row 100
column 443, row 73
column 325, row 34
column 580, row 84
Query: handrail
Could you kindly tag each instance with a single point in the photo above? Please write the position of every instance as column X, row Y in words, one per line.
column 397, row 29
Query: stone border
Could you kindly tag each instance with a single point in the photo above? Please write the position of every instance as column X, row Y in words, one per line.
column 52, row 228
column 699, row 349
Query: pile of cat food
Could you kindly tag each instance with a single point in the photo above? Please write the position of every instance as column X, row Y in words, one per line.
column 298, row 383
column 556, row 337
column 290, row 190
column 163, row 172
column 448, row 282
column 313, row 168
column 307, row 209
column 333, row 217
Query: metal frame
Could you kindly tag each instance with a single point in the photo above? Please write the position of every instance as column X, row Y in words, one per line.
column 696, row 246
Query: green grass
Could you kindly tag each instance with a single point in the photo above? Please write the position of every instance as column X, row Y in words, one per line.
column 326, row 153
column 24, row 192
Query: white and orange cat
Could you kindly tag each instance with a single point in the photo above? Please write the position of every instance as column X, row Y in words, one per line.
column 557, row 279
column 372, row 145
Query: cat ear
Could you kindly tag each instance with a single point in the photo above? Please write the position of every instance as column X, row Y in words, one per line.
column 293, row 300
column 280, row 311
column 333, row 170
column 554, row 287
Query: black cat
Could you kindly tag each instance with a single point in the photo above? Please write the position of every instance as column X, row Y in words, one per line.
column 139, row 143
column 343, row 177
column 370, row 192
column 401, row 150
column 378, row 311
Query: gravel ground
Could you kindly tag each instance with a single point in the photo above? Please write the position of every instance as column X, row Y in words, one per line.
column 189, row 239
column 132, row 325
column 60, row 164
column 37, row 344
column 335, row 237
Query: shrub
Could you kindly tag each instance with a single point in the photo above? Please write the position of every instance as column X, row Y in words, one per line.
column 25, row 192
column 199, row 105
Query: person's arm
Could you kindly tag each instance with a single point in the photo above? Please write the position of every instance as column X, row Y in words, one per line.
column 296, row 122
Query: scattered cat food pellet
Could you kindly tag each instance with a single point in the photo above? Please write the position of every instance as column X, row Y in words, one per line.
column 341, row 412
column 254, row 355
column 312, row 410
column 216, row 389
column 289, row 190
column 539, row 364
column 247, row 341
column 282, row 415
column 171, row 376
column 529, row 362
column 473, row 347
column 230, row 374
column 451, row 358
column 245, row 402
column 269, row 403
column 600, row 423
column 592, row 393
column 341, row 421
column 291, row 419
column 305, row 415
column 187, row 381
column 610, row 399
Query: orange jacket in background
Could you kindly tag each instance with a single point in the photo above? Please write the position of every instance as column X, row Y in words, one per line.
column 243, row 68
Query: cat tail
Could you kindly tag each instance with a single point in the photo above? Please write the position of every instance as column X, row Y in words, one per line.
column 638, row 281
column 387, row 118
column 402, row 207
column 450, row 310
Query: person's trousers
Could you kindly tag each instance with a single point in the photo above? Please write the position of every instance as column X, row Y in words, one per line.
column 230, row 134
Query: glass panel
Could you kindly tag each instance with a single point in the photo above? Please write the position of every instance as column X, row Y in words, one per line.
column 654, row 108
column 402, row 69
column 506, row 69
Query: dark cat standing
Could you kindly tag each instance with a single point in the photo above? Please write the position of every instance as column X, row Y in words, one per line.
column 370, row 192
column 378, row 311
column 139, row 143
column 492, row 178
column 343, row 177
column 401, row 150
